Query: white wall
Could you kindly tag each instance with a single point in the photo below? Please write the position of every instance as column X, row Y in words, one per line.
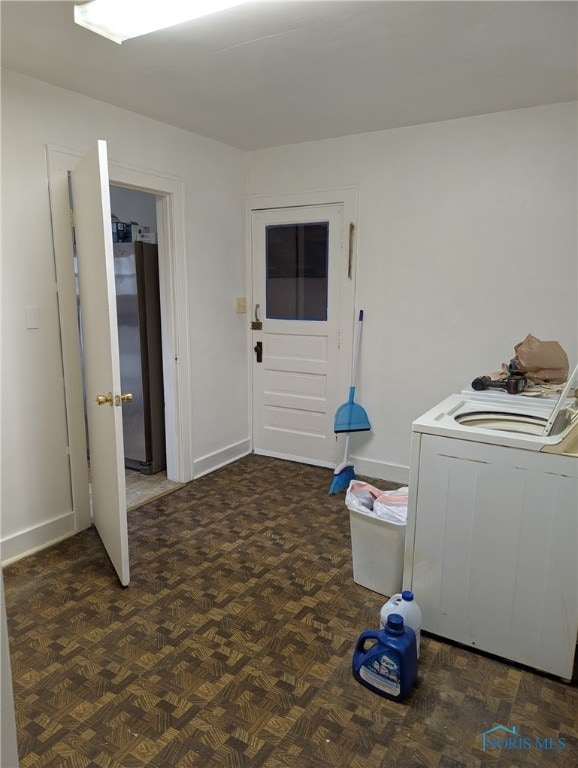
column 36, row 483
column 466, row 243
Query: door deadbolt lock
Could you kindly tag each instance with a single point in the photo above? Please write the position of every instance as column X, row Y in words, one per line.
column 256, row 325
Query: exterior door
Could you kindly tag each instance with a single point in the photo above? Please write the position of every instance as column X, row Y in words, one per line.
column 92, row 225
column 298, row 260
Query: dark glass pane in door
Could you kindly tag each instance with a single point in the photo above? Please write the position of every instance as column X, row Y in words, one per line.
column 296, row 270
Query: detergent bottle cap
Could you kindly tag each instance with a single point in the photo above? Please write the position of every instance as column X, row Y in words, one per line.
column 407, row 595
column 395, row 624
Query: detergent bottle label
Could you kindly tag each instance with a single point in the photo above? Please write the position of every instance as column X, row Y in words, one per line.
column 383, row 671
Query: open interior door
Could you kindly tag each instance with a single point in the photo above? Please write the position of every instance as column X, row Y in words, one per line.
column 93, row 232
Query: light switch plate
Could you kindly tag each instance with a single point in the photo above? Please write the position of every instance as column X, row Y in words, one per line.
column 241, row 305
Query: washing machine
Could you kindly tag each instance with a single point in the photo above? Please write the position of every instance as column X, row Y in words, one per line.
column 492, row 534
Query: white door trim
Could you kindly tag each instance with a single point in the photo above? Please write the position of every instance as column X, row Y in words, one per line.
column 173, row 280
column 346, row 197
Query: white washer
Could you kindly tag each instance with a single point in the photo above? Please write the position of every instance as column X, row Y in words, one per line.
column 492, row 535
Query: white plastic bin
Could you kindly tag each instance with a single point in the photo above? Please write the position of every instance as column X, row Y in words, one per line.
column 378, row 550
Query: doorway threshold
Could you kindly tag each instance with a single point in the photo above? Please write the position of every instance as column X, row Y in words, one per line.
column 141, row 488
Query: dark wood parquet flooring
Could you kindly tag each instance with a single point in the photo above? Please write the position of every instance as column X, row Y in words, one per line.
column 232, row 647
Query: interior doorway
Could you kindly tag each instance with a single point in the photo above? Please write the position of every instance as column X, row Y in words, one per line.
column 136, row 268
column 134, row 222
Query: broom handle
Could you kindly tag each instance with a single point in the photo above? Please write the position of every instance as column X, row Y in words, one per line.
column 356, row 348
column 346, row 452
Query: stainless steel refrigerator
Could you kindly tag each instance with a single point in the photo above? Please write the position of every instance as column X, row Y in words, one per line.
column 139, row 335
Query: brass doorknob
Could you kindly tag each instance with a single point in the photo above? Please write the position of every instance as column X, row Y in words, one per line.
column 102, row 399
column 124, row 398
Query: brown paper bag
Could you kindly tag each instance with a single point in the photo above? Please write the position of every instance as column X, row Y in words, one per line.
column 545, row 362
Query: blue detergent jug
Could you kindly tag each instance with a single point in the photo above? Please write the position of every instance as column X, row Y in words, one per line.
column 389, row 665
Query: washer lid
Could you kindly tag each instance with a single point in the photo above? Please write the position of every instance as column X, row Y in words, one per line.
column 511, row 415
column 561, row 405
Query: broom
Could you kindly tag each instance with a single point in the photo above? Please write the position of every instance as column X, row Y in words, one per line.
column 350, row 417
column 344, row 473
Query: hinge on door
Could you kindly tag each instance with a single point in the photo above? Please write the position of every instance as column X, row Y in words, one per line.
column 71, row 215
column 350, row 256
column 338, row 339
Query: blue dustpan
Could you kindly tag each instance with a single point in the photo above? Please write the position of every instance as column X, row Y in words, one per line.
column 351, row 417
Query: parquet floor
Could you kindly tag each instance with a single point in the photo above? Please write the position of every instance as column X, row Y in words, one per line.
column 232, row 647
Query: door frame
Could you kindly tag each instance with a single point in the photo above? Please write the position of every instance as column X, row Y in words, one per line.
column 173, row 281
column 348, row 198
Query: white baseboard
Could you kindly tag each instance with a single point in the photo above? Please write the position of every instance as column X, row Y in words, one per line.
column 394, row 473
column 213, row 461
column 297, row 459
column 24, row 543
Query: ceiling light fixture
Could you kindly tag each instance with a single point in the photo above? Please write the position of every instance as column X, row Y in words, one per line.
column 123, row 19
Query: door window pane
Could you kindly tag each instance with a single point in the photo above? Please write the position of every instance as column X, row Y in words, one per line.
column 297, row 271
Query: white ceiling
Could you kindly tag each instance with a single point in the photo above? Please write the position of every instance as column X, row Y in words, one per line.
column 273, row 73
